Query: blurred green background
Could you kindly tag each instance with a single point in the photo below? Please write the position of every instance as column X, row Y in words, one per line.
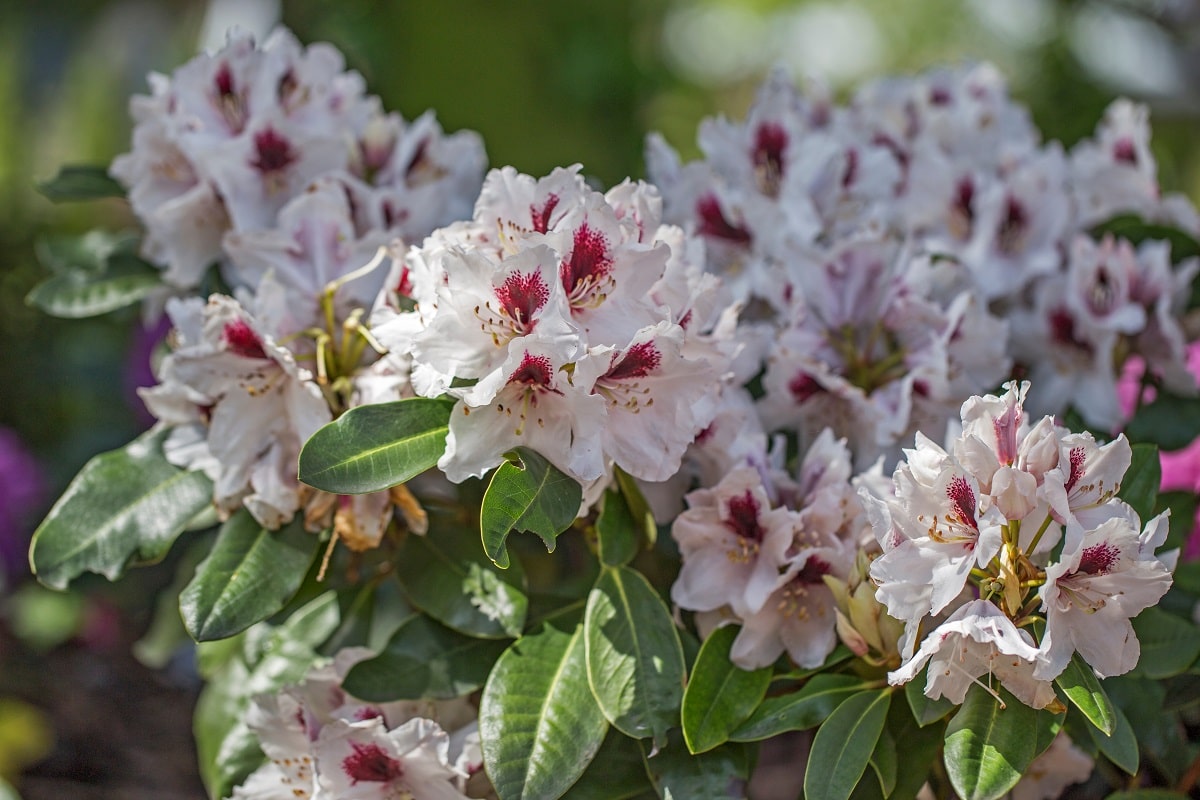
column 545, row 83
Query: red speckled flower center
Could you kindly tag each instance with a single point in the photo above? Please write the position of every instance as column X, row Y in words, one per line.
column 273, row 152
column 962, row 498
column 1098, row 559
column 534, row 371
column 240, row 338
column 1076, row 458
column 742, row 518
column 369, row 763
column 770, row 144
column 588, row 265
column 639, row 361
column 521, row 296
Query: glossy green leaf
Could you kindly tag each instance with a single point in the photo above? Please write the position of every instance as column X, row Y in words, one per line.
column 840, row 654
column 539, row 724
column 719, row 774
column 844, row 744
column 1171, row 422
column 1122, row 747
column 374, row 447
column 125, row 505
column 989, row 746
column 1170, row 645
column 424, row 659
column 250, row 574
column 925, row 710
column 918, row 747
column 638, row 507
column 527, row 493
column 719, row 695
column 884, row 762
column 1081, row 686
column 634, row 657
column 800, row 710
column 75, row 182
column 618, row 772
column 1139, row 487
column 447, row 576
column 126, row 280
column 616, row 530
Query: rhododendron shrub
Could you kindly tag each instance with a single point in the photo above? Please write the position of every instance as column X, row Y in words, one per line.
column 820, row 432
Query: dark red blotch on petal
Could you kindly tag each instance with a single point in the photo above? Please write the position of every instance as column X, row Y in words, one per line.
column 1098, row 559
column 273, row 152
column 714, row 224
column 241, row 339
column 533, row 371
column 541, row 216
column 522, row 295
column 812, row 571
column 369, row 763
column 743, row 517
column 589, row 258
column 639, row 361
column 962, row 497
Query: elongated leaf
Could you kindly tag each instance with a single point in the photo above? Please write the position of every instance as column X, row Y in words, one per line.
column 719, row 774
column 424, row 659
column 1139, row 488
column 125, row 281
column 989, row 747
column 804, row 709
column 373, row 447
column 844, row 744
column 539, row 724
column 925, row 710
column 618, row 772
column 638, row 507
column 1169, row 644
column 124, row 505
column 527, row 493
column 447, row 576
column 616, row 531
column 883, row 762
column 1079, row 682
column 80, row 182
column 1171, row 422
column 917, row 748
column 634, row 657
column 1122, row 747
column 719, row 695
column 250, row 574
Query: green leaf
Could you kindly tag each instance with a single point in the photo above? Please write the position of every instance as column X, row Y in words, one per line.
column 1170, row 645
column 618, row 772
column 1182, row 506
column 1182, row 691
column 1171, row 422
column 883, row 762
column 250, row 574
column 634, row 657
column 1147, row 794
column 76, row 182
column 126, row 280
column 719, row 774
column 616, row 530
column 925, row 710
column 844, row 744
column 86, row 255
column 638, row 507
column 539, row 724
column 1121, row 748
column 374, row 447
column 1140, row 485
column 527, row 493
column 447, row 576
column 799, row 711
column 989, row 746
column 424, row 659
column 1079, row 682
column 719, row 695
column 918, row 748
column 125, row 505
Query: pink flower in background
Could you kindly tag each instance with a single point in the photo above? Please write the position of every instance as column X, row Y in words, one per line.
column 1180, row 468
column 21, row 488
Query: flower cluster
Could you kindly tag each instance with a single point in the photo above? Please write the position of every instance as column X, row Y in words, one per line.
column 270, row 162
column 759, row 549
column 882, row 251
column 565, row 320
column 323, row 743
column 1011, row 523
